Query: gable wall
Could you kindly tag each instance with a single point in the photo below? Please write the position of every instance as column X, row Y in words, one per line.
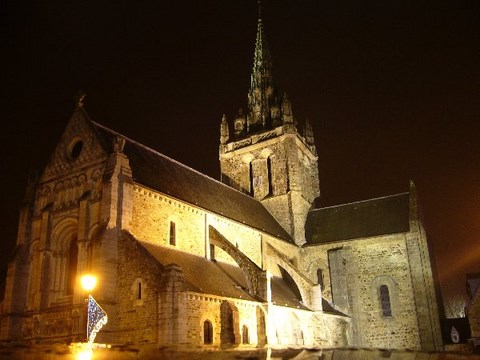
column 65, row 213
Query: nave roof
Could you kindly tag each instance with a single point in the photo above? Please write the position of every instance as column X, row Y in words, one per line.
column 161, row 173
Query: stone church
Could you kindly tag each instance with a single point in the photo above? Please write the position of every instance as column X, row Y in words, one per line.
column 186, row 261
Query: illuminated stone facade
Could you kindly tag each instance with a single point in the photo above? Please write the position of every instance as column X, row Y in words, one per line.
column 473, row 307
column 187, row 262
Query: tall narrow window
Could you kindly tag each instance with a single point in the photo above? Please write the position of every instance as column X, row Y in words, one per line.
column 173, row 239
column 320, row 277
column 212, row 252
column 207, row 332
column 250, row 174
column 270, row 175
column 385, row 301
column 139, row 290
column 245, row 339
column 72, row 266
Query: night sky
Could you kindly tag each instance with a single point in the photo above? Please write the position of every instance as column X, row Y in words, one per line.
column 392, row 89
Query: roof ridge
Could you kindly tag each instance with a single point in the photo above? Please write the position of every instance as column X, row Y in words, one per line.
column 360, row 201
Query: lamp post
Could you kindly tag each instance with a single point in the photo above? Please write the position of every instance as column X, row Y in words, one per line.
column 96, row 316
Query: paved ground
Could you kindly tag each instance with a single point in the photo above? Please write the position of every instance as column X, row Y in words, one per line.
column 64, row 352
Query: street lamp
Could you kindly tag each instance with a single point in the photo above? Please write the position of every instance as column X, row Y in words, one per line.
column 96, row 316
column 88, row 282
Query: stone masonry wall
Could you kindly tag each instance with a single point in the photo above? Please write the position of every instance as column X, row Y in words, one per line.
column 370, row 263
column 151, row 217
column 295, row 327
column 137, row 319
column 153, row 212
column 279, row 170
column 286, row 326
column 235, row 167
column 473, row 313
column 246, row 239
column 303, row 168
column 202, row 307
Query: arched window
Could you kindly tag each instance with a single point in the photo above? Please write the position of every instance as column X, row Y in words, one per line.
column 245, row 339
column 385, row 301
column 72, row 267
column 207, row 332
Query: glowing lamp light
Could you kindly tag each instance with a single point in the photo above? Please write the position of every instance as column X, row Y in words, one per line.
column 82, row 351
column 88, row 282
column 84, row 354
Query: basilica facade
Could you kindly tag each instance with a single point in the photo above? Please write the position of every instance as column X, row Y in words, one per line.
column 184, row 261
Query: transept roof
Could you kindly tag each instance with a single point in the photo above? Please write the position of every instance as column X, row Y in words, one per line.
column 380, row 216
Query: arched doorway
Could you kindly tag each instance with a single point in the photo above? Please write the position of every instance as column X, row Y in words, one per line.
column 207, row 332
column 261, row 327
column 227, row 335
column 245, row 336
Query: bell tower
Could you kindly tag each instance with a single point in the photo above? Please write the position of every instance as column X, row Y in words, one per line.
column 265, row 155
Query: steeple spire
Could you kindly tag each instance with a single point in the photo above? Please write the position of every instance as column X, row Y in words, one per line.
column 261, row 93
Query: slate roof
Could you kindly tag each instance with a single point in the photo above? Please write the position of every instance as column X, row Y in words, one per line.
column 159, row 172
column 380, row 216
column 218, row 278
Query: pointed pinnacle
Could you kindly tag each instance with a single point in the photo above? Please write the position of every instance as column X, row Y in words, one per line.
column 79, row 98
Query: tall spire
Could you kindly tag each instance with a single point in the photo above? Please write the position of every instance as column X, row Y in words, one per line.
column 261, row 93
